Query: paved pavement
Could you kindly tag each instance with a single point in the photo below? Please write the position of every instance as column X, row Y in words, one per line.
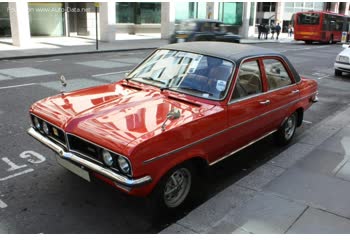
column 305, row 189
column 53, row 46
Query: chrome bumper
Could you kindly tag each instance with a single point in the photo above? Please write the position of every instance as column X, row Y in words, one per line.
column 117, row 178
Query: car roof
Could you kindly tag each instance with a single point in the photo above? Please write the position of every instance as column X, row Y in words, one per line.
column 231, row 51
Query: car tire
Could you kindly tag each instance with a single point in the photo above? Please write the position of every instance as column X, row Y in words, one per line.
column 286, row 132
column 337, row 72
column 175, row 189
column 308, row 42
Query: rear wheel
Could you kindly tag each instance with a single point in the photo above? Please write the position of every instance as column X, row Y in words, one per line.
column 337, row 72
column 308, row 42
column 286, row 132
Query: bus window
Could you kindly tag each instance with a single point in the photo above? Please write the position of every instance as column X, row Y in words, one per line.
column 308, row 19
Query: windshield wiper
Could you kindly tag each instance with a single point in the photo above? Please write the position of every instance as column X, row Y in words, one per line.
column 186, row 88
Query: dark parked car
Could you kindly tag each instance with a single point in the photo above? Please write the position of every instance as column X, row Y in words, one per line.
column 202, row 30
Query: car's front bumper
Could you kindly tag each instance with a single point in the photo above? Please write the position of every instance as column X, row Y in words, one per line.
column 115, row 177
column 345, row 67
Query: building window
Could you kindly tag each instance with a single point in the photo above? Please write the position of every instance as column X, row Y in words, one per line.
column 190, row 10
column 138, row 12
column 5, row 26
column 268, row 6
column 231, row 13
column 46, row 19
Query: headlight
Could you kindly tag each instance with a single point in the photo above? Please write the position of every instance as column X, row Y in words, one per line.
column 124, row 165
column 107, row 158
column 37, row 123
column 45, row 128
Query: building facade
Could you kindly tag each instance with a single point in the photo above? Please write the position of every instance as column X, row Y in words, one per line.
column 23, row 20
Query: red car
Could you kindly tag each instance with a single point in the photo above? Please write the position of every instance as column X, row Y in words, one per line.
column 186, row 107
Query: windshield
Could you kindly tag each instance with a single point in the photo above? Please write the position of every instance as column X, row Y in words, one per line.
column 193, row 74
column 308, row 18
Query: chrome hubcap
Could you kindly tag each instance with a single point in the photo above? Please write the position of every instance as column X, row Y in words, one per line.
column 177, row 187
column 290, row 127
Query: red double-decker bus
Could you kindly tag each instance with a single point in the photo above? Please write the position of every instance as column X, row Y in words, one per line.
column 326, row 27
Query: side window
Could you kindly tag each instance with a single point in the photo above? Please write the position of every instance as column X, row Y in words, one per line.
column 248, row 80
column 276, row 74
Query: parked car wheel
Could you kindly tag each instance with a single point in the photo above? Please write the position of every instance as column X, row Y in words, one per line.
column 286, row 132
column 337, row 72
column 175, row 188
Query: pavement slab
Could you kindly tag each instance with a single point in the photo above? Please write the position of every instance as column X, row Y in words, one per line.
column 265, row 213
column 315, row 221
column 205, row 216
column 290, row 156
column 313, row 189
column 339, row 145
column 319, row 135
column 260, row 177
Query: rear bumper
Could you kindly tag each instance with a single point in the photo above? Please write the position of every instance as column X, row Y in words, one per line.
column 115, row 177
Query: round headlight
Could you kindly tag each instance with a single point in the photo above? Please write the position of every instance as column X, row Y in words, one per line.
column 124, row 165
column 45, row 128
column 37, row 123
column 107, row 158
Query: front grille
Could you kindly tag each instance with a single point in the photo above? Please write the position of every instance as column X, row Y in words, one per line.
column 78, row 145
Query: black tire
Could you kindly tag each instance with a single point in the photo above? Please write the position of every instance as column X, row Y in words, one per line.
column 286, row 132
column 308, row 42
column 176, row 198
column 337, row 72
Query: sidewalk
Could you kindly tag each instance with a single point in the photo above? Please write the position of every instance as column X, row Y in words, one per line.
column 305, row 189
column 52, row 46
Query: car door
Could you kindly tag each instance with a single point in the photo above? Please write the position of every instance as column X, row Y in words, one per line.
column 282, row 90
column 248, row 106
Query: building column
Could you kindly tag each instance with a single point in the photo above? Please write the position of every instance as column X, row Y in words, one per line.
column 107, row 17
column 248, row 31
column 279, row 13
column 167, row 19
column 347, row 6
column 335, row 7
column 19, row 20
column 213, row 10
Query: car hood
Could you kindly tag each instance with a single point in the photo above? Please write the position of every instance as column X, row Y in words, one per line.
column 117, row 114
column 345, row 52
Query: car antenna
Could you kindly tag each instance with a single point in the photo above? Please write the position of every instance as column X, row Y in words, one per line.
column 63, row 84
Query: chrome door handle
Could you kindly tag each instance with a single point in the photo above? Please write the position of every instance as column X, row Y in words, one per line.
column 265, row 102
column 295, row 91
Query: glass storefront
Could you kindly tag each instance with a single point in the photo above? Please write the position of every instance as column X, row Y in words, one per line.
column 138, row 12
column 5, row 27
column 188, row 10
column 231, row 13
column 46, row 19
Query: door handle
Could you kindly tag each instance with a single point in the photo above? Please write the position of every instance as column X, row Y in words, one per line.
column 265, row 102
column 295, row 91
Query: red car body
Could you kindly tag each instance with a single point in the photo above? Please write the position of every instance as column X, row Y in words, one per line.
column 127, row 117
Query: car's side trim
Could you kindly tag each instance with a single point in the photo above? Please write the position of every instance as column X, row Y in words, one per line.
column 117, row 178
column 241, row 148
column 223, row 131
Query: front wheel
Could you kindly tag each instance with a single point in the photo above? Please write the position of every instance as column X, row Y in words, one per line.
column 286, row 132
column 175, row 188
column 337, row 72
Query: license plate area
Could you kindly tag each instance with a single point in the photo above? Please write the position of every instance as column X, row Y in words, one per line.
column 74, row 168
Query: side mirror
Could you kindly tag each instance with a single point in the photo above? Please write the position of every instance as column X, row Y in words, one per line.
column 345, row 45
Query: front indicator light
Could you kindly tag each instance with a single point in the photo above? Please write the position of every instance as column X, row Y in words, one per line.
column 124, row 165
column 107, row 158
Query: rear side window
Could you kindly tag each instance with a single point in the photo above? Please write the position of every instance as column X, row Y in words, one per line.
column 276, row 74
column 248, row 80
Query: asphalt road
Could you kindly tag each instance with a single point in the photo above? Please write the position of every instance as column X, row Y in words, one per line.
column 38, row 196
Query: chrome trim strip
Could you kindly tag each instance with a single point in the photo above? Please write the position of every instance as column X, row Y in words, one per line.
column 241, row 148
column 222, row 131
column 92, row 166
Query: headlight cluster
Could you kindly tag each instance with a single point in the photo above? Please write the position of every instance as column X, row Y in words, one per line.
column 113, row 160
column 342, row 58
column 41, row 125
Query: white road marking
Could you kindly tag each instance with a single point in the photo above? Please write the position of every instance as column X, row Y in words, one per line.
column 12, row 165
column 49, row 60
column 16, row 174
column 307, row 122
column 2, row 204
column 323, row 77
column 105, row 74
column 21, row 85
